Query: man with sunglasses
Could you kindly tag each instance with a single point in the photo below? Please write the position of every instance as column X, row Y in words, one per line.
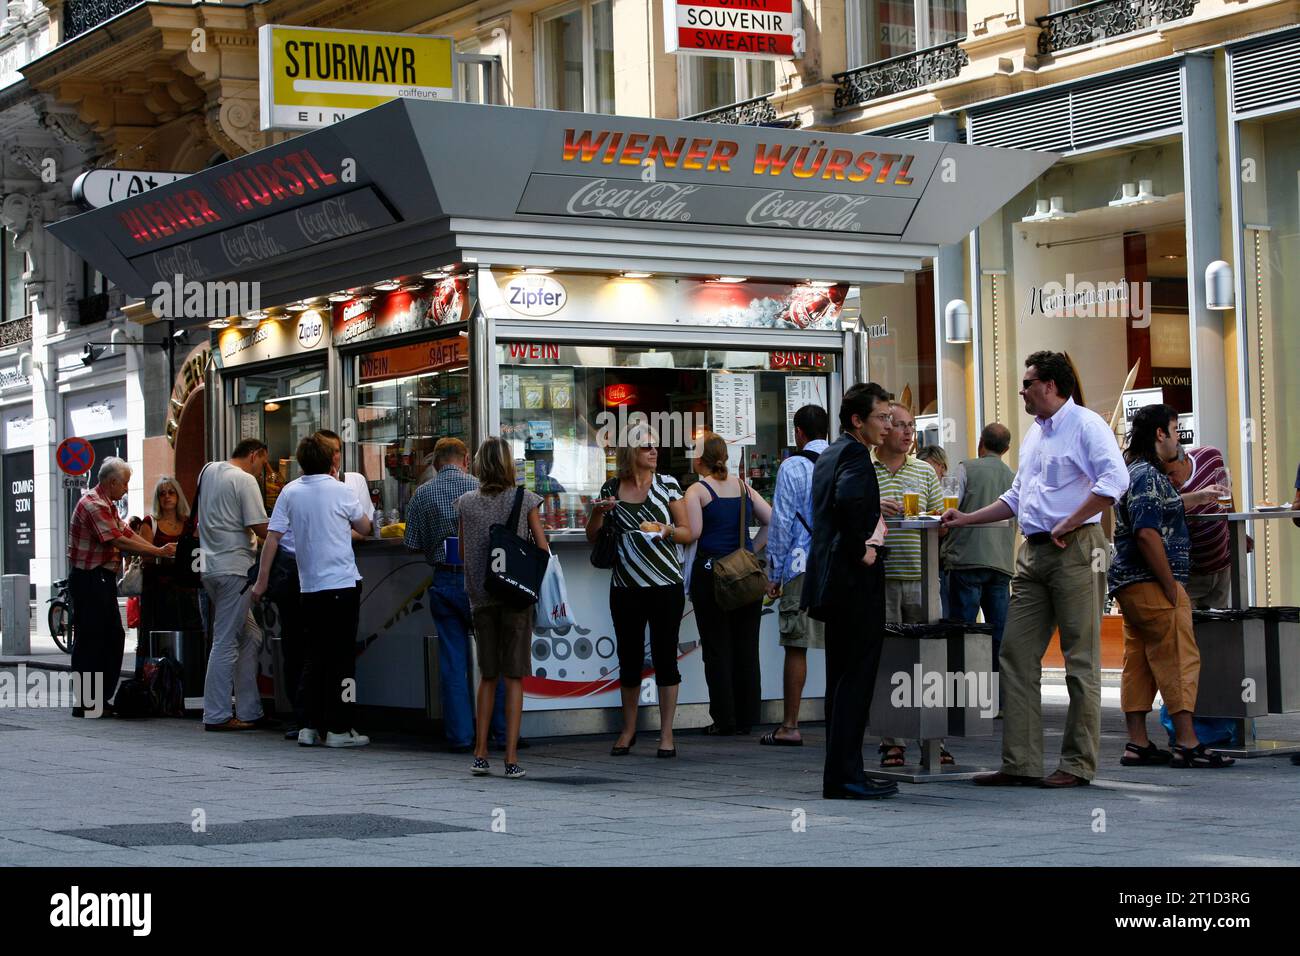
column 1071, row 470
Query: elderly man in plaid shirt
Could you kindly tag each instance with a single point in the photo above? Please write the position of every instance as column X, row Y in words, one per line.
column 431, row 519
column 95, row 541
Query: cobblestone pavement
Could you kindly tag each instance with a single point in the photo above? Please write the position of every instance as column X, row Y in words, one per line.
column 112, row 792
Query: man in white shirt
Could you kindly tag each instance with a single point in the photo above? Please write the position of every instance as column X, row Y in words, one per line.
column 323, row 514
column 1071, row 470
column 232, row 518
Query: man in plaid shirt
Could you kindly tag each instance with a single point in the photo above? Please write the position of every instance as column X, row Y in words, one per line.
column 431, row 519
column 95, row 541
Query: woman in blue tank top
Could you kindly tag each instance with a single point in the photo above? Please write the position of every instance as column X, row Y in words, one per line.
column 728, row 639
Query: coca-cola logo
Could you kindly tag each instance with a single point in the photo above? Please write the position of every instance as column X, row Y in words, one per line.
column 249, row 243
column 329, row 220
column 658, row 202
column 832, row 213
column 179, row 262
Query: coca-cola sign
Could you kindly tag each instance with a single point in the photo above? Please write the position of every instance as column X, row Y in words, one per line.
column 834, row 213
column 658, row 202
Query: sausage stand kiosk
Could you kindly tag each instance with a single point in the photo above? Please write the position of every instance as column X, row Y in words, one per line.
column 431, row 268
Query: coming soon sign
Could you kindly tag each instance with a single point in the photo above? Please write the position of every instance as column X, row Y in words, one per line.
column 311, row 78
column 769, row 29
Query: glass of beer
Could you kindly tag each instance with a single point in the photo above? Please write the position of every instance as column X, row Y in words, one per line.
column 951, row 499
column 1223, row 478
column 911, row 501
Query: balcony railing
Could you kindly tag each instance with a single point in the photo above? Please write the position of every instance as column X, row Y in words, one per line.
column 15, row 332
column 755, row 112
column 1105, row 20
column 898, row 74
column 82, row 15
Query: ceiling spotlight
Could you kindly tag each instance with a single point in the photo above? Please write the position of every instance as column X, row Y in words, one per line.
column 820, row 284
column 412, row 286
column 344, row 296
column 538, row 271
column 257, row 315
column 271, row 407
column 636, row 275
column 297, row 306
column 732, row 279
column 1137, row 194
column 248, row 322
column 218, row 324
column 387, row 285
column 1046, row 210
column 434, row 275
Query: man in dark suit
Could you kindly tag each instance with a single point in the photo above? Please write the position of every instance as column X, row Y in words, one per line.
column 845, row 586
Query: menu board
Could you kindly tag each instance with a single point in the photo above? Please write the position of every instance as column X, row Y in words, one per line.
column 734, row 415
column 801, row 390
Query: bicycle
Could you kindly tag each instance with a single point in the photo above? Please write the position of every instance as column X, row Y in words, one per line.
column 61, row 617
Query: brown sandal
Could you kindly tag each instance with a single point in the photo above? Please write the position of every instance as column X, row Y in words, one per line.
column 892, row 755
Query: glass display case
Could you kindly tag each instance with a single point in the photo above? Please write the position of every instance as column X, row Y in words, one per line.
column 281, row 408
column 406, row 398
column 564, row 410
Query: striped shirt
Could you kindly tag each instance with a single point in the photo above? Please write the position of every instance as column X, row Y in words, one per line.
column 1210, row 553
column 903, row 563
column 645, row 561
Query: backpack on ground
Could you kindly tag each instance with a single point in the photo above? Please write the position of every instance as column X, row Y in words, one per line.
column 165, row 683
column 133, row 699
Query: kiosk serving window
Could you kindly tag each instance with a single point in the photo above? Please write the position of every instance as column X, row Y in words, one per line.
column 281, row 408
column 564, row 410
column 407, row 397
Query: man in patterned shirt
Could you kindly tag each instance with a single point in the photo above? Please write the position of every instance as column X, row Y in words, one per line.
column 430, row 521
column 1151, row 564
column 1195, row 474
column 96, row 538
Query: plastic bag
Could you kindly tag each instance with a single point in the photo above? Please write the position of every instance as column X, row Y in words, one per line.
column 1209, row 730
column 553, row 602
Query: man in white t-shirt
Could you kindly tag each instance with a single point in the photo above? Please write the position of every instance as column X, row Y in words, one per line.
column 232, row 518
column 324, row 514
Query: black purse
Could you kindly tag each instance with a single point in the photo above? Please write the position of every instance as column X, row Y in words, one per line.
column 604, row 553
column 515, row 565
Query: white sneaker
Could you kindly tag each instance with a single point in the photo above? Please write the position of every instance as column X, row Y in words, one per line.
column 350, row 739
column 308, row 737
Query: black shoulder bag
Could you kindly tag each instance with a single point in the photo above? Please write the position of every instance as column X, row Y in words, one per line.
column 516, row 566
column 604, row 553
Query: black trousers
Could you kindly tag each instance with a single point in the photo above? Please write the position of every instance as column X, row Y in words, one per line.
column 633, row 609
column 287, row 599
column 729, row 644
column 853, row 647
column 330, row 625
column 100, row 637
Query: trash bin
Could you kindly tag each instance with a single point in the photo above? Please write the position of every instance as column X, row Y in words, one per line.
column 187, row 648
column 1282, row 652
column 912, row 689
column 1234, row 668
column 970, row 660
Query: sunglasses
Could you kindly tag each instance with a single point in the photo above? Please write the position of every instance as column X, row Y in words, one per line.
column 1029, row 381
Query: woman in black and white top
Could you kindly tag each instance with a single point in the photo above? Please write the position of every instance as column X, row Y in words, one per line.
column 647, row 584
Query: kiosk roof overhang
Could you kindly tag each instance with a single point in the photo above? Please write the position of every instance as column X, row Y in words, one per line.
column 414, row 185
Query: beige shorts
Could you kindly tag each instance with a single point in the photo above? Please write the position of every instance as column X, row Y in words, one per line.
column 797, row 628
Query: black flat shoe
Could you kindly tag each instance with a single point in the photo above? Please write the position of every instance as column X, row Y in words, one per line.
column 666, row 753
column 617, row 751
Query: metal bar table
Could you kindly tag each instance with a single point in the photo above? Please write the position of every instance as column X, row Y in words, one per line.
column 930, row 769
column 1251, row 746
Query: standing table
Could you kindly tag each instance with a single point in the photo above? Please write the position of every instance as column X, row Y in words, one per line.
column 1251, row 746
column 930, row 769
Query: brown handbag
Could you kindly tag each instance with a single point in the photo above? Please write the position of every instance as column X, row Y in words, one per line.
column 739, row 577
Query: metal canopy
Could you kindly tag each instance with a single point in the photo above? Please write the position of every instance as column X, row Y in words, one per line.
column 413, row 185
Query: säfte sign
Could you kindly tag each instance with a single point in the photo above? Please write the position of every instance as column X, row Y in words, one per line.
column 765, row 29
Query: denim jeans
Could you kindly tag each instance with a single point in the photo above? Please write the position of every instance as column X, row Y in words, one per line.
column 973, row 589
column 449, row 605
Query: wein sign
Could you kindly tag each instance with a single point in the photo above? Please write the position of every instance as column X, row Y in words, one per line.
column 765, row 29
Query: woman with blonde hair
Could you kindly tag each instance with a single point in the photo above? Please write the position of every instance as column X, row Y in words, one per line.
column 502, row 634
column 728, row 639
column 164, row 604
column 646, row 587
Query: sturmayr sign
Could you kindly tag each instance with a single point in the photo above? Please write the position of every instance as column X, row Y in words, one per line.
column 389, row 192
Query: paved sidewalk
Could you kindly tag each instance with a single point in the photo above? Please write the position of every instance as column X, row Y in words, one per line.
column 111, row 792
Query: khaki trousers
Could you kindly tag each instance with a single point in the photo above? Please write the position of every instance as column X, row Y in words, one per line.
column 1054, row 589
column 1160, row 651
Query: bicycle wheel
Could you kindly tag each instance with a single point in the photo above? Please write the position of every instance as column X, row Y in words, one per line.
column 61, row 626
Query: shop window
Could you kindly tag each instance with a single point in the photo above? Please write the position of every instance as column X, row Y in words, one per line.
column 881, row 29
column 575, row 58
column 406, row 398
column 564, row 410
column 901, row 352
column 711, row 82
column 1090, row 260
column 281, row 408
column 1270, row 243
column 477, row 76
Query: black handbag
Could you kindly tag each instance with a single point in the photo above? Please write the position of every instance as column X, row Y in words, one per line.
column 604, row 553
column 186, row 572
column 515, row 566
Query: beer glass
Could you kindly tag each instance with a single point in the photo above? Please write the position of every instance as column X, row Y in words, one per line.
column 1223, row 478
column 951, row 493
column 911, row 501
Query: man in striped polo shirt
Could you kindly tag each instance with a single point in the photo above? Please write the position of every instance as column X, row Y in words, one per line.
column 1195, row 474
column 897, row 470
